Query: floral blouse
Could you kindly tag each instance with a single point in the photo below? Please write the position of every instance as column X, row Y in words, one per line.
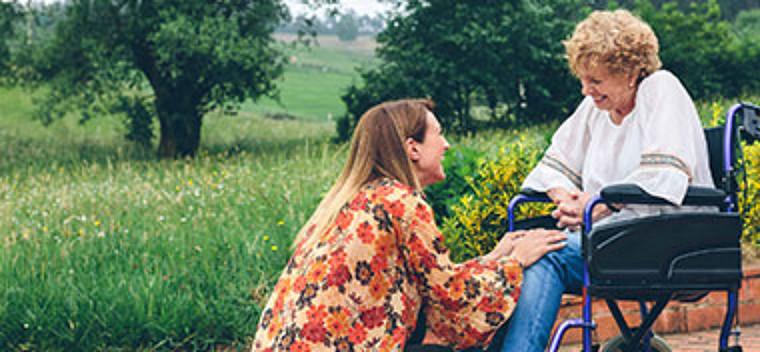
column 363, row 284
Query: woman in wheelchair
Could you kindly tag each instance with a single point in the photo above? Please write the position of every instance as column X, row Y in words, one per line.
column 636, row 124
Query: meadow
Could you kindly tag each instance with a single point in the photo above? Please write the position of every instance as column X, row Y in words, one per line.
column 103, row 248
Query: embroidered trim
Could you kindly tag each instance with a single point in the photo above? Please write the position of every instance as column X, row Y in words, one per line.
column 664, row 160
column 558, row 165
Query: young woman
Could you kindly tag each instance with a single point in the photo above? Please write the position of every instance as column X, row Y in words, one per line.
column 371, row 259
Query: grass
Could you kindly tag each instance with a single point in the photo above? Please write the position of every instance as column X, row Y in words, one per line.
column 104, row 248
column 131, row 254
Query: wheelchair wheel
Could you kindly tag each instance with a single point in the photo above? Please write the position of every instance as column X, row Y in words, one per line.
column 657, row 344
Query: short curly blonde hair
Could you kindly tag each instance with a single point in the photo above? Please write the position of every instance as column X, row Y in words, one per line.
column 616, row 40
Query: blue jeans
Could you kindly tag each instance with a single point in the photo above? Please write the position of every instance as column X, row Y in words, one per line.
column 544, row 282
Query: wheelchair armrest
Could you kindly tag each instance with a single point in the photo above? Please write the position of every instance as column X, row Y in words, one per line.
column 535, row 196
column 633, row 194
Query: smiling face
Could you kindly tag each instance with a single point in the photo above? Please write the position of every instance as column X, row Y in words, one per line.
column 614, row 93
column 427, row 155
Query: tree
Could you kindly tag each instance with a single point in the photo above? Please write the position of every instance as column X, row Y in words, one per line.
column 347, row 27
column 506, row 55
column 172, row 59
column 9, row 14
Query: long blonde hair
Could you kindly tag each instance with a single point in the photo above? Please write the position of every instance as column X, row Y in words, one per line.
column 377, row 151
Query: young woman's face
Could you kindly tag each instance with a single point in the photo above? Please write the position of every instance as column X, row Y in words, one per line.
column 428, row 154
column 611, row 92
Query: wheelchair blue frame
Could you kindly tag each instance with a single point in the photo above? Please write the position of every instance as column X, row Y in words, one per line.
column 648, row 317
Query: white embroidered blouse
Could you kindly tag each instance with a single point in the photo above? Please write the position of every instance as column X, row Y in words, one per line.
column 659, row 146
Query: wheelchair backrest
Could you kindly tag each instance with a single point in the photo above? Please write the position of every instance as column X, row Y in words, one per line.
column 716, row 153
column 744, row 121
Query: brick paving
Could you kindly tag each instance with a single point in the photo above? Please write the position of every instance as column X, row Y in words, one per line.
column 702, row 341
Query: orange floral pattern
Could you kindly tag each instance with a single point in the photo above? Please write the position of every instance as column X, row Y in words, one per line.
column 363, row 285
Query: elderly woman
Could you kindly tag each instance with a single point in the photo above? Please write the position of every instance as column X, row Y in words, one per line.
column 371, row 257
column 636, row 124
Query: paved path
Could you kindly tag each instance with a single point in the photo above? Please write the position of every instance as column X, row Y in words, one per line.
column 703, row 341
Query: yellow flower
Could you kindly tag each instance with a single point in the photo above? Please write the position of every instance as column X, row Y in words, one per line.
column 281, row 222
column 96, row 223
column 274, row 248
column 189, row 182
column 266, row 238
column 177, row 188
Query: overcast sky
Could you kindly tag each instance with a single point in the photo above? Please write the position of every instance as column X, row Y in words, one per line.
column 362, row 7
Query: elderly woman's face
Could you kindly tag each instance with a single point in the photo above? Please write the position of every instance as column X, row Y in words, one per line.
column 614, row 93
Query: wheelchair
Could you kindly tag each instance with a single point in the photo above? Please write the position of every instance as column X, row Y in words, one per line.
column 700, row 253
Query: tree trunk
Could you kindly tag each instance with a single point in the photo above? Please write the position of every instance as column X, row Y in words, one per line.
column 180, row 129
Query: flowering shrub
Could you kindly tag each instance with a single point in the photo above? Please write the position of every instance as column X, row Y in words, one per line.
column 749, row 191
column 479, row 217
column 749, row 198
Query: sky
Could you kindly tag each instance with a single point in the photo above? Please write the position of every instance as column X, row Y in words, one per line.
column 362, row 7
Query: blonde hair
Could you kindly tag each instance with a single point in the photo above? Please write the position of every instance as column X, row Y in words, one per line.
column 377, row 151
column 617, row 40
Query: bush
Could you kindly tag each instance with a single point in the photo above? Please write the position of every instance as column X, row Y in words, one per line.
column 460, row 163
column 480, row 215
column 749, row 183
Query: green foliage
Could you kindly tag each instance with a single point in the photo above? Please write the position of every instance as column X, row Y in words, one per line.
column 460, row 163
column 505, row 55
column 749, row 196
column 692, row 44
column 9, row 14
column 700, row 48
column 748, row 179
column 480, row 217
column 747, row 24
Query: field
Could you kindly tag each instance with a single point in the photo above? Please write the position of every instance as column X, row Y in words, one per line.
column 104, row 248
column 316, row 77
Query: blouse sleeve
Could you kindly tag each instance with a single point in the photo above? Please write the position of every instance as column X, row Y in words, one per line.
column 562, row 164
column 465, row 303
column 672, row 138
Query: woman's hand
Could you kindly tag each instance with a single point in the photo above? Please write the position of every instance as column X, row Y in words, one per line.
column 569, row 212
column 505, row 245
column 535, row 243
column 559, row 195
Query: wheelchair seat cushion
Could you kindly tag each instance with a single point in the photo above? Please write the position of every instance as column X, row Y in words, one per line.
column 680, row 251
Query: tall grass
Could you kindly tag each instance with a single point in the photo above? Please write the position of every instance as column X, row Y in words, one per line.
column 102, row 247
column 140, row 254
